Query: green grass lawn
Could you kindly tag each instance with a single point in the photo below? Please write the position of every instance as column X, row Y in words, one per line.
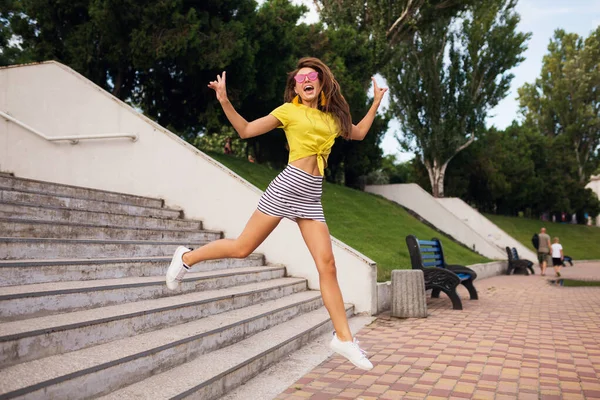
column 371, row 224
column 579, row 241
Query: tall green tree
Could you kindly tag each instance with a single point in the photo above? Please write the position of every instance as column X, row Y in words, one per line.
column 158, row 55
column 448, row 75
column 362, row 35
column 565, row 99
column 497, row 173
column 387, row 23
column 519, row 170
column 397, row 172
column 353, row 64
column 279, row 42
column 10, row 50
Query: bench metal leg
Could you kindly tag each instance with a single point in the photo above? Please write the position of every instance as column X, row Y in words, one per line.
column 530, row 267
column 471, row 288
column 456, row 302
column 451, row 293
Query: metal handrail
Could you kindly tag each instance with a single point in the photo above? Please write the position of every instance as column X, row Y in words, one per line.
column 73, row 139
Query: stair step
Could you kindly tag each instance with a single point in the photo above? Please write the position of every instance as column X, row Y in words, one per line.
column 30, row 248
column 61, row 202
column 64, row 230
column 104, row 368
column 26, row 272
column 230, row 366
column 33, row 186
column 94, row 316
column 40, row 213
column 19, row 302
column 35, row 338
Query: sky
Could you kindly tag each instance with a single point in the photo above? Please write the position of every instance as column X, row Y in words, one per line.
column 541, row 18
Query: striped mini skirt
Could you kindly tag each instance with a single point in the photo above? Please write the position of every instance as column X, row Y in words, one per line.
column 294, row 193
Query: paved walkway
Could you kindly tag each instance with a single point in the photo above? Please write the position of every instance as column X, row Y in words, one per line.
column 524, row 338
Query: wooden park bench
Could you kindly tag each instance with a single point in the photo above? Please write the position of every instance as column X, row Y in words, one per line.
column 428, row 255
column 516, row 264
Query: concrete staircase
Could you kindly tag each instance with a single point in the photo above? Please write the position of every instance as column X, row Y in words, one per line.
column 85, row 312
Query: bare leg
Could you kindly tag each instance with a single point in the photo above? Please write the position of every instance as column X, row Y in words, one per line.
column 317, row 239
column 557, row 270
column 543, row 267
column 256, row 231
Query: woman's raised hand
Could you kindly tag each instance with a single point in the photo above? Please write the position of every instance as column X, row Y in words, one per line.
column 377, row 91
column 219, row 87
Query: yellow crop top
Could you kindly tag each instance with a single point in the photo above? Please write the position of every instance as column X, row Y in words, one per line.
column 308, row 130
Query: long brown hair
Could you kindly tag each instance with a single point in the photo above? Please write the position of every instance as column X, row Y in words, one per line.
column 335, row 103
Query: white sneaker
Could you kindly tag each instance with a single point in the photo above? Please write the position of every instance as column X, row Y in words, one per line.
column 352, row 352
column 177, row 269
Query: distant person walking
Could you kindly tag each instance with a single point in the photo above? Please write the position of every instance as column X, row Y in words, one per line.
column 543, row 250
column 557, row 256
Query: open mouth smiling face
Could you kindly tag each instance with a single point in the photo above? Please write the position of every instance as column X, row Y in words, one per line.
column 308, row 85
column 309, row 89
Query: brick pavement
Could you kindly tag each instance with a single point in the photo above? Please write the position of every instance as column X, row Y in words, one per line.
column 523, row 339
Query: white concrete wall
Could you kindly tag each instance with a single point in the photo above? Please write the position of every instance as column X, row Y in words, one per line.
column 413, row 197
column 58, row 101
column 594, row 184
column 486, row 228
column 488, row 270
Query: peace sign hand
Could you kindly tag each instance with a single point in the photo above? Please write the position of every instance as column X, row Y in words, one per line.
column 377, row 91
column 220, row 87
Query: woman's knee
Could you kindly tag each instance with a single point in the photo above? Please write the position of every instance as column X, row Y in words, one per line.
column 327, row 267
column 241, row 249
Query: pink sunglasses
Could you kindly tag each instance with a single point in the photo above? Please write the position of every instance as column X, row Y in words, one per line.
column 312, row 76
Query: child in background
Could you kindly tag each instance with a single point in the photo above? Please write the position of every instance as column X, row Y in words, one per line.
column 557, row 256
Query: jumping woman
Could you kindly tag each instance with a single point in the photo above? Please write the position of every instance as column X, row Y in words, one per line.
column 313, row 115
